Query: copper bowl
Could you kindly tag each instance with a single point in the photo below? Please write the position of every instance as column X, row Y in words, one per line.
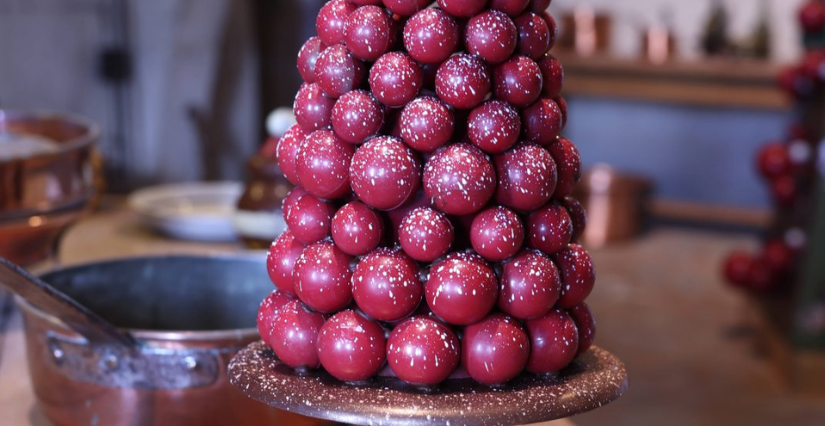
column 41, row 194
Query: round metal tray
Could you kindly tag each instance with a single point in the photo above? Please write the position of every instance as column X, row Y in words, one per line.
column 594, row 379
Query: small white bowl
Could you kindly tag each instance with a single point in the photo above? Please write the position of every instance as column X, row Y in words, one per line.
column 199, row 211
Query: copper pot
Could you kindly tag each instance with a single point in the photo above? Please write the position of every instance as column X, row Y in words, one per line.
column 42, row 193
column 190, row 315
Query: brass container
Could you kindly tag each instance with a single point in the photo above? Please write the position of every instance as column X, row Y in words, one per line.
column 41, row 194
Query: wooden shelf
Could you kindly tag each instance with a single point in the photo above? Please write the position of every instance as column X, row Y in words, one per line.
column 730, row 83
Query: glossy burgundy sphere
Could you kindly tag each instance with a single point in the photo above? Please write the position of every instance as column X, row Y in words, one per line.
column 530, row 285
column 323, row 164
column 426, row 234
column 494, row 126
column 553, row 74
column 395, row 79
column 539, row 6
column 554, row 342
column 287, row 152
column 773, row 160
column 280, row 260
column 461, row 289
column 357, row 229
column 518, row 81
column 351, row 348
column 462, row 8
column 308, row 56
column 497, row 234
column 549, row 228
column 385, row 285
column 369, row 32
column 511, row 7
column 491, row 35
column 431, row 36
column 266, row 314
column 462, row 81
column 784, row 189
column 331, row 21
column 294, row 335
column 568, row 164
column 460, row 179
column 406, row 7
column 812, row 16
column 527, row 177
column 551, row 24
column 385, row 173
column 495, row 350
column 308, row 218
column 426, row 124
column 577, row 215
column 423, row 351
column 322, row 277
column 313, row 110
column 356, row 116
column 396, row 215
column 737, row 268
column 291, row 200
column 533, row 35
column 542, row 121
column 337, row 71
column 586, row 324
column 577, row 275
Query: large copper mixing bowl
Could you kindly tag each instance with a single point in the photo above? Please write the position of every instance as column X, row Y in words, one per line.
column 41, row 194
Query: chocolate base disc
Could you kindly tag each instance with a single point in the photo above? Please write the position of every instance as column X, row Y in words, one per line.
column 594, row 379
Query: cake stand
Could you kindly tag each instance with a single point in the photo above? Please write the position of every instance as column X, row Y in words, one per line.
column 594, row 379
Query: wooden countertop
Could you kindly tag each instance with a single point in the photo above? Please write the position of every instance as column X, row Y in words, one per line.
column 733, row 83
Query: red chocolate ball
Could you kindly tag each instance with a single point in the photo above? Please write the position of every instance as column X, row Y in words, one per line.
column 384, row 173
column 737, row 268
column 549, row 228
column 812, row 16
column 357, row 229
column 313, row 110
column 425, row 234
column 553, row 74
column 308, row 218
column 586, row 324
column 461, row 289
column 495, row 350
column 554, row 341
column 322, row 277
column 287, row 152
column 369, row 32
column 332, row 19
column 539, row 6
column 542, row 121
column 494, row 126
column 526, row 177
column 291, row 200
column 337, row 71
column 462, row 81
column 426, row 124
column 406, row 7
column 351, row 348
column 266, row 314
column 423, row 351
column 568, row 164
column 577, row 275
column 385, row 285
column 533, row 35
column 492, row 35
column 280, row 260
column 563, row 107
column 497, row 234
column 784, row 190
column 511, row 7
column 530, row 285
column 395, row 216
column 294, row 335
column 431, row 36
column 308, row 56
column 460, row 179
column 773, row 160
column 551, row 24
column 323, row 164
column 395, row 79
column 577, row 215
column 778, row 256
column 518, row 81
column 356, row 116
column 462, row 8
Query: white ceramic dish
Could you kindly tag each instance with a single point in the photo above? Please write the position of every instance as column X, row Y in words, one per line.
column 199, row 211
